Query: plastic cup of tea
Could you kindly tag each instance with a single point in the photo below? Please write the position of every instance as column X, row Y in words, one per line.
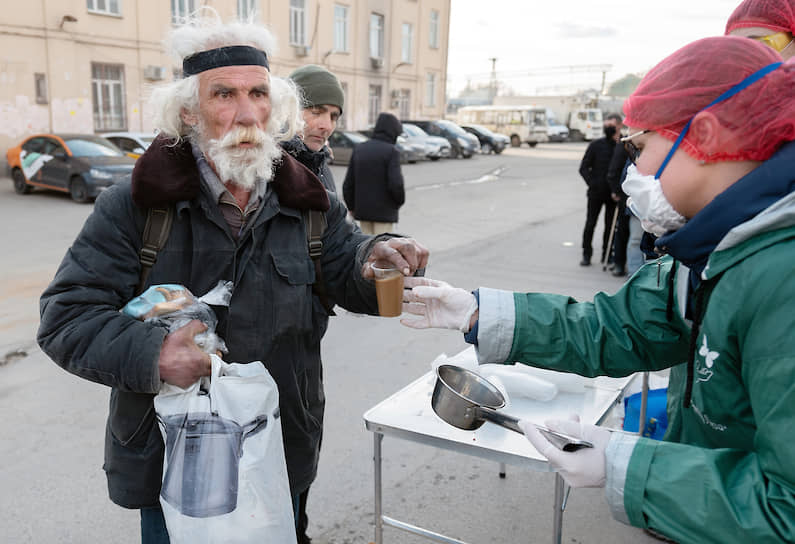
column 388, row 289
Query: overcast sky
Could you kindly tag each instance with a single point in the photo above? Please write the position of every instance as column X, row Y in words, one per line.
column 525, row 35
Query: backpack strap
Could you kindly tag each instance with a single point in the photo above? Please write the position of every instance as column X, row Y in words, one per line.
column 315, row 225
column 155, row 236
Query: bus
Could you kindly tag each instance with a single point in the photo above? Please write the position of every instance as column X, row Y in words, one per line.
column 522, row 124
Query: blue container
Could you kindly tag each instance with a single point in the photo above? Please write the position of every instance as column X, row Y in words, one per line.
column 656, row 414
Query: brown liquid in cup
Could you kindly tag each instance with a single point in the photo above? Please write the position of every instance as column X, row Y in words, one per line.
column 389, row 292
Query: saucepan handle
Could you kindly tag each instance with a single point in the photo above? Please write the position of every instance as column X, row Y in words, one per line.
column 559, row 440
column 509, row 422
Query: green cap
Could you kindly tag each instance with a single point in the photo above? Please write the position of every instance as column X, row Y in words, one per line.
column 318, row 86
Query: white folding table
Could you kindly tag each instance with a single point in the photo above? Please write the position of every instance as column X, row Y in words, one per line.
column 407, row 414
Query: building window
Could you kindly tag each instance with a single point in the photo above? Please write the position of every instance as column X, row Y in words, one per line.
column 342, row 123
column 374, row 104
column 433, row 29
column 297, row 22
column 246, row 8
column 376, row 36
column 110, row 7
column 406, row 39
column 107, row 89
column 181, row 9
column 40, row 81
column 404, row 104
column 340, row 28
column 430, row 90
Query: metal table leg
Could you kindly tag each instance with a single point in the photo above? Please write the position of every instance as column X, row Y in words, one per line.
column 557, row 518
column 379, row 520
column 644, row 401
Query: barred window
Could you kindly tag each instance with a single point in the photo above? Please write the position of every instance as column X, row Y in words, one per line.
column 430, row 90
column 297, row 22
column 433, row 30
column 107, row 89
column 340, row 28
column 374, row 103
column 406, row 42
column 376, row 35
column 246, row 8
column 180, row 9
column 112, row 7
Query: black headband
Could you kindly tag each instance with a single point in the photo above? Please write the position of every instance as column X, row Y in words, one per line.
column 235, row 55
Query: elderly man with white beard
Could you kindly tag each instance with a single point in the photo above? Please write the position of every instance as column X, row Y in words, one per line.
column 239, row 209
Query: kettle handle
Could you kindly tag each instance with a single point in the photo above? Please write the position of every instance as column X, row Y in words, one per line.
column 255, row 426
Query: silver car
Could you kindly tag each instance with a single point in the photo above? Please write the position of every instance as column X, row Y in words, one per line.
column 435, row 147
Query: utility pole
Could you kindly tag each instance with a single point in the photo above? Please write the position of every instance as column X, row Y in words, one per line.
column 493, row 80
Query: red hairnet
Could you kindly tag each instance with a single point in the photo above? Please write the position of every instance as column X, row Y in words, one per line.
column 777, row 15
column 759, row 118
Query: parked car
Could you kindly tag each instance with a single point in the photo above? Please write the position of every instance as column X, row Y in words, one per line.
column 435, row 147
column 410, row 152
column 82, row 165
column 132, row 143
column 342, row 143
column 462, row 144
column 489, row 141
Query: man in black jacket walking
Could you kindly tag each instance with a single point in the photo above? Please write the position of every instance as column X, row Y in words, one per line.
column 593, row 169
column 373, row 187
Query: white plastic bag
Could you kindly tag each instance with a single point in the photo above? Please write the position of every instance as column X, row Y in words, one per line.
column 224, row 472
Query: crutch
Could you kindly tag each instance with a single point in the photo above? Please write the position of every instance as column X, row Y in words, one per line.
column 606, row 255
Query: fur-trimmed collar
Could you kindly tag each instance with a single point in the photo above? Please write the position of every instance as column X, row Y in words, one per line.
column 167, row 173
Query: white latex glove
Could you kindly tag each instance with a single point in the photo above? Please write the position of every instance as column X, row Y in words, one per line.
column 582, row 468
column 441, row 305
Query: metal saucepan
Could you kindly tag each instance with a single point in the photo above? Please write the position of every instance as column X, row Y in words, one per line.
column 466, row 400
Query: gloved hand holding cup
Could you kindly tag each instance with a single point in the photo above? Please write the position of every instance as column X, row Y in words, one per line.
column 440, row 305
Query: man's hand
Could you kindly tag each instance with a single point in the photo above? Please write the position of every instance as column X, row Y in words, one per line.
column 586, row 467
column 181, row 361
column 615, row 197
column 407, row 254
column 439, row 305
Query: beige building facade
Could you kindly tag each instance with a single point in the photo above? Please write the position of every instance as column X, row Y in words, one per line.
column 87, row 65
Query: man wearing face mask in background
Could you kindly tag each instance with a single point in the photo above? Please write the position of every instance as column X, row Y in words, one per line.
column 593, row 169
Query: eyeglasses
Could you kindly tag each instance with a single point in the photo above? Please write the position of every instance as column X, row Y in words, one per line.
column 778, row 41
column 632, row 150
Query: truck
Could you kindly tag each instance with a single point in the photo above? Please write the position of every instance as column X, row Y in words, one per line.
column 578, row 113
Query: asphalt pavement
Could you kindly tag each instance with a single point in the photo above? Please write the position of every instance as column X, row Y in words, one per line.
column 511, row 221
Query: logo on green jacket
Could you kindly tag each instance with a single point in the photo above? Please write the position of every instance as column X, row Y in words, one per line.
column 705, row 372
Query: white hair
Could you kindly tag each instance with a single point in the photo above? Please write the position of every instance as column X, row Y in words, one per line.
column 168, row 101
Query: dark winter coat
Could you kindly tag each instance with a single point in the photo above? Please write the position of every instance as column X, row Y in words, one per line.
column 373, row 187
column 617, row 171
column 594, row 166
column 273, row 316
column 316, row 161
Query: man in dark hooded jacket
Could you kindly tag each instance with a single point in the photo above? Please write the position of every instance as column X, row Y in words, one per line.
column 373, row 187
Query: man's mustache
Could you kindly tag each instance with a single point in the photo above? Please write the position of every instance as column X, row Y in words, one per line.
column 240, row 135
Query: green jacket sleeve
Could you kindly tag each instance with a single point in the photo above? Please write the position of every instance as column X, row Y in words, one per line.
column 615, row 335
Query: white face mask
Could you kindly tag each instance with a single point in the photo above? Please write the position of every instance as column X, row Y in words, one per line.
column 648, row 203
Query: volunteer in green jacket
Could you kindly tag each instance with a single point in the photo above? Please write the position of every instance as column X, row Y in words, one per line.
column 712, row 130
